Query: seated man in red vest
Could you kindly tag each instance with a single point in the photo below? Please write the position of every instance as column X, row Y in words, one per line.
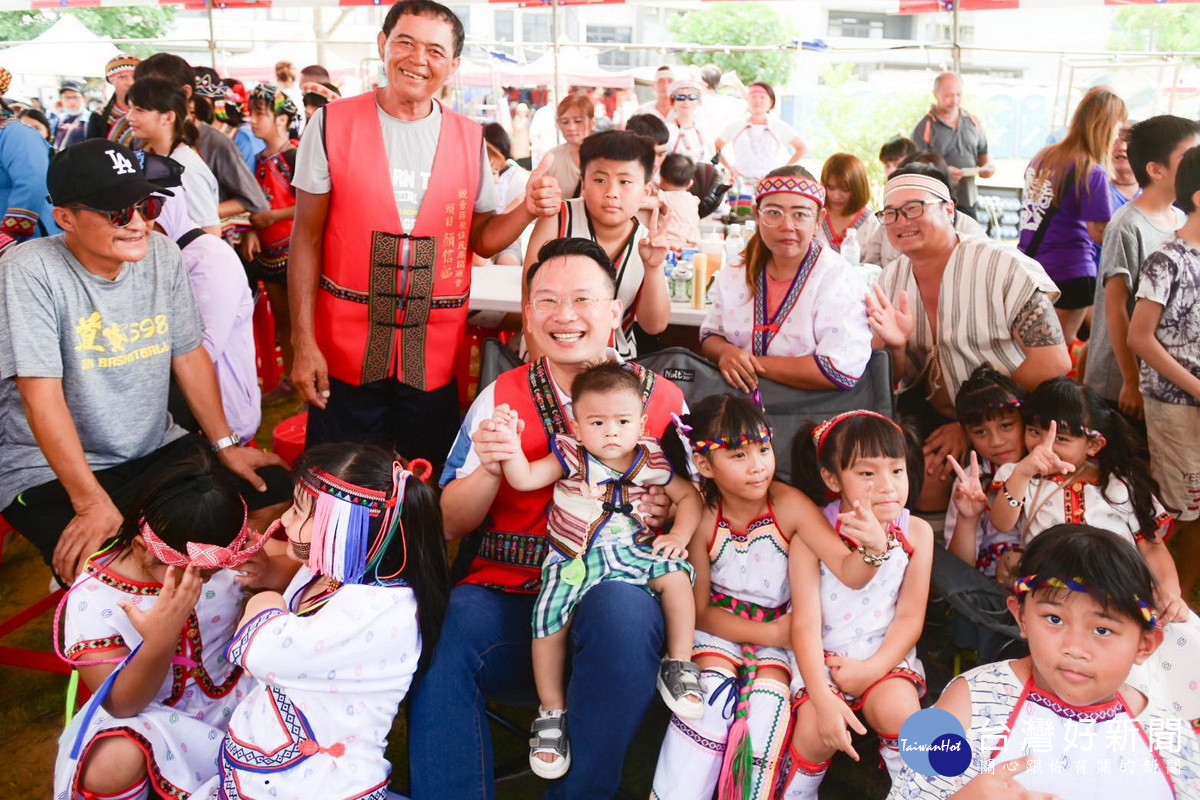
column 394, row 193
column 484, row 649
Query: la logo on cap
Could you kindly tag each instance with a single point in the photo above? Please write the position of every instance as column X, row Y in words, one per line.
column 121, row 164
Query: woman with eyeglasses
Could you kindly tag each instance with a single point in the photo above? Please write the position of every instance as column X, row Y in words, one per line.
column 794, row 313
column 158, row 116
column 686, row 136
column 576, row 121
column 755, row 145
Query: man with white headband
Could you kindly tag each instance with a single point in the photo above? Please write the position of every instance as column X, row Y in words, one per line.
column 980, row 303
column 661, row 105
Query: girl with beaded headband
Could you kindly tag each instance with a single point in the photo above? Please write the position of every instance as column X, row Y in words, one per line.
column 742, row 595
column 146, row 626
column 855, row 646
column 1081, row 604
column 988, row 407
column 337, row 651
column 265, row 247
column 794, row 313
column 1086, row 465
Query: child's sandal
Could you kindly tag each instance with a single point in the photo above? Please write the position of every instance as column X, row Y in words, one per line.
column 678, row 680
column 550, row 736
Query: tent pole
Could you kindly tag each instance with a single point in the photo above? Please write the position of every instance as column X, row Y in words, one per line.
column 554, row 32
column 955, row 50
column 212, row 34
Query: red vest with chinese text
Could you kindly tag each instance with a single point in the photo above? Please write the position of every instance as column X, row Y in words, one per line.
column 393, row 304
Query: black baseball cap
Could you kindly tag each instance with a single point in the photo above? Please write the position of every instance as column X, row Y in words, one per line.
column 99, row 174
column 163, row 172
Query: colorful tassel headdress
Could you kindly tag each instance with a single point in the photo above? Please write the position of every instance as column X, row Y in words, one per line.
column 343, row 547
column 204, row 556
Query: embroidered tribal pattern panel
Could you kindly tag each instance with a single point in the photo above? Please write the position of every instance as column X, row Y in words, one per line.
column 399, row 298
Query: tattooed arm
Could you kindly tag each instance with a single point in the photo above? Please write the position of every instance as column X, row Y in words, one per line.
column 1037, row 330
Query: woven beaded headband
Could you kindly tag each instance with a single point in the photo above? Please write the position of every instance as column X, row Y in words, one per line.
column 279, row 101
column 204, row 556
column 821, row 432
column 791, row 184
column 1031, row 583
column 120, row 63
column 312, row 87
column 708, row 445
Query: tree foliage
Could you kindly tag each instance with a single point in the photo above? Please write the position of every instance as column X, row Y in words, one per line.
column 134, row 22
column 1157, row 28
column 738, row 24
column 846, row 118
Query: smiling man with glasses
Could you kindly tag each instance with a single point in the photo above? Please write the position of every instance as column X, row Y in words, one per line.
column 485, row 647
column 93, row 323
column 950, row 304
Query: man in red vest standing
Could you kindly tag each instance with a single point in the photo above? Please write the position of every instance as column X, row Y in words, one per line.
column 484, row 650
column 394, row 194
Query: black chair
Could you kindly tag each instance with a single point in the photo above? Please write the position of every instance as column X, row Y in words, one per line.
column 787, row 407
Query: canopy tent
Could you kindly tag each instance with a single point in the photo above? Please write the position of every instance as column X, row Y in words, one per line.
column 259, row 64
column 65, row 49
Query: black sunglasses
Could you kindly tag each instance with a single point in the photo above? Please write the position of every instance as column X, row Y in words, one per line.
column 681, row 97
column 149, row 208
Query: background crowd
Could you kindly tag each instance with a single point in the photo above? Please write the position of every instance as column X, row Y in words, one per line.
column 1033, row 457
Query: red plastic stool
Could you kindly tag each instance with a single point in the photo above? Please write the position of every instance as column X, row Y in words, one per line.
column 19, row 656
column 270, row 368
column 288, row 437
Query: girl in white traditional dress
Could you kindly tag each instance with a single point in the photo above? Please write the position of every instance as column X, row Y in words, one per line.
column 988, row 407
column 146, row 626
column 1085, row 465
column 742, row 596
column 1064, row 722
column 336, row 653
column 855, row 648
column 795, row 312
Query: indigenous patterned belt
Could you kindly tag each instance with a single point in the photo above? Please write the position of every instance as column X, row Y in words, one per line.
column 516, row 549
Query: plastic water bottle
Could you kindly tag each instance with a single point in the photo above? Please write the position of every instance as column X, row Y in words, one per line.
column 851, row 249
column 681, row 279
column 734, row 245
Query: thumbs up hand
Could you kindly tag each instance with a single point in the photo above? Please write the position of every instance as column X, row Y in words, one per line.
column 543, row 197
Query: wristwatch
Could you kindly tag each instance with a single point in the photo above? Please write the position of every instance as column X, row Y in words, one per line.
column 232, row 440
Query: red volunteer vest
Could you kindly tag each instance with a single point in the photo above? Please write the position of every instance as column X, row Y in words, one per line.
column 514, row 542
column 394, row 304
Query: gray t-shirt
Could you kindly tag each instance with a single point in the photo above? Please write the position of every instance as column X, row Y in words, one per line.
column 110, row 342
column 1129, row 238
column 410, row 149
column 234, row 179
column 961, row 146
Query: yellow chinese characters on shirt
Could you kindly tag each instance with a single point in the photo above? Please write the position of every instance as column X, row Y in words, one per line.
column 106, row 344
